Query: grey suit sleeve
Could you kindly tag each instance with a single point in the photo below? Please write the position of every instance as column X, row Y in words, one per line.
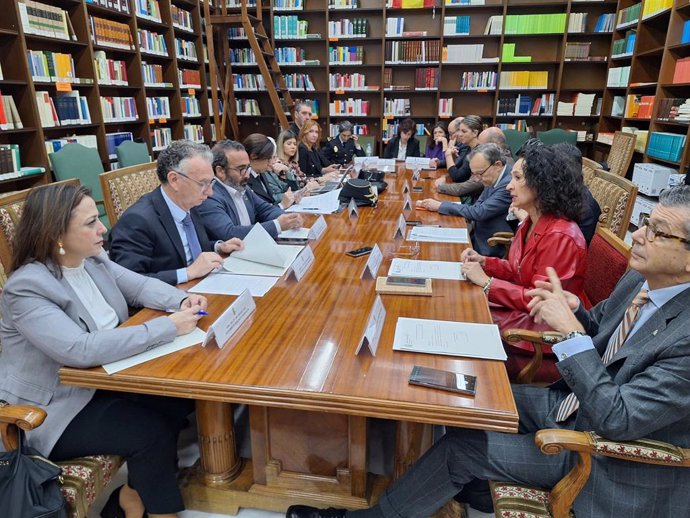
column 494, row 205
column 44, row 323
column 218, row 222
column 265, row 214
column 461, row 189
column 141, row 291
column 132, row 246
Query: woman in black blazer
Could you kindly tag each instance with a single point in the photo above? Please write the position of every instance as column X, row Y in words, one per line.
column 311, row 160
column 404, row 139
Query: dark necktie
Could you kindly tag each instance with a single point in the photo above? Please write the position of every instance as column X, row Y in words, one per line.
column 192, row 238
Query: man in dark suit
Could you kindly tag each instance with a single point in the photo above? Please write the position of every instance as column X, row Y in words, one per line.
column 158, row 235
column 488, row 213
column 342, row 148
column 626, row 376
column 301, row 115
column 232, row 209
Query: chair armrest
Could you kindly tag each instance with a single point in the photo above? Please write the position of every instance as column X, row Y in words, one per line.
column 586, row 444
column 537, row 339
column 499, row 240
column 17, row 416
column 508, row 235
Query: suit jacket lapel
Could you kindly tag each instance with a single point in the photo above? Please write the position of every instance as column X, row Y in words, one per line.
column 168, row 223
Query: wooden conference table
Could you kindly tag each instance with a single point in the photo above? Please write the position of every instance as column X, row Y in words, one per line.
column 309, row 396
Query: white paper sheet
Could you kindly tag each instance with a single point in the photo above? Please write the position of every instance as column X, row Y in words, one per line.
column 426, row 269
column 295, row 233
column 222, row 283
column 450, row 338
column 181, row 342
column 438, row 235
column 261, row 255
column 320, row 204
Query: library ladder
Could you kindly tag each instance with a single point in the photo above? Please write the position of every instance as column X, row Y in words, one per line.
column 265, row 57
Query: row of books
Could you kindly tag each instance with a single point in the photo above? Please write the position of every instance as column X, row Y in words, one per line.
column 151, row 42
column 350, row 106
column 355, row 81
column 57, row 144
column 651, row 7
column 293, row 56
column 185, row 49
column 68, row 108
column 237, row 33
column 148, row 9
column 553, row 23
column 681, row 73
column 118, row 109
column 9, row 116
column 618, row 77
column 45, row 66
column 577, row 22
column 395, row 26
column 289, row 27
column 582, row 105
column 342, row 4
column 109, row 71
column 297, row 81
column 685, row 36
column 626, row 45
column 288, row 4
column 412, row 51
column 524, row 79
column 247, row 107
column 577, row 50
column 158, row 107
column 249, row 82
column 468, row 53
column 669, row 109
column 191, row 107
column 478, row 80
column 357, row 129
column 161, row 138
column 121, row 6
column 456, row 25
column 112, row 140
column 667, row 146
column 355, row 28
column 629, row 15
column 110, row 33
column 181, row 19
column 346, row 55
column 45, row 20
column 153, row 75
column 244, row 56
column 396, row 107
column 639, row 106
column 189, row 78
column 605, row 23
column 9, row 159
column 521, row 105
column 445, row 107
column 426, row 78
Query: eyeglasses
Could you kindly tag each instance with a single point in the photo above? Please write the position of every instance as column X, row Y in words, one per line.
column 204, row 185
column 242, row 169
column 475, row 173
column 651, row 233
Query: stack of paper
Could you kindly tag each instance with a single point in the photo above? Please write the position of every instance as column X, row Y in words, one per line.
column 262, row 255
column 426, row 269
column 222, row 283
column 584, row 104
column 320, row 204
column 438, row 235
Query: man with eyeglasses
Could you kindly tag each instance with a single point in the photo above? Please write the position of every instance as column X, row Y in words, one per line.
column 160, row 235
column 488, row 164
column 625, row 367
column 233, row 209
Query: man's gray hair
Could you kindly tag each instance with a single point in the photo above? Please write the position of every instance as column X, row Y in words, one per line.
column 220, row 150
column 678, row 196
column 491, row 152
column 176, row 155
column 300, row 104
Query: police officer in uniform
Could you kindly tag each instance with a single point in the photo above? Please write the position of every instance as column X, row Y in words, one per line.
column 344, row 147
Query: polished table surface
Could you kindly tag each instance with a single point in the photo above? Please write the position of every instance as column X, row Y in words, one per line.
column 297, row 350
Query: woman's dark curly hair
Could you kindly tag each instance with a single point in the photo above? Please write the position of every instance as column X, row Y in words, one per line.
column 554, row 179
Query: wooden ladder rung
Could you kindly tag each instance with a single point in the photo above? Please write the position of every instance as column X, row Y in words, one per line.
column 231, row 20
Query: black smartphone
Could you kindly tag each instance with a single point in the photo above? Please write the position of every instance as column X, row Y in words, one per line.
column 406, row 281
column 413, row 222
column 359, row 251
column 417, row 189
column 444, row 380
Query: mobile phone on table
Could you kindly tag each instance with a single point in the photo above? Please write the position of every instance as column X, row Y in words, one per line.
column 413, row 222
column 444, row 380
column 358, row 252
column 417, row 189
column 405, row 281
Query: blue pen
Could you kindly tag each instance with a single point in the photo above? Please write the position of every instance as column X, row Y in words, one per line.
column 202, row 313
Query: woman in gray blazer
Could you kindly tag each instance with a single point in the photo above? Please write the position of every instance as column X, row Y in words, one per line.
column 61, row 307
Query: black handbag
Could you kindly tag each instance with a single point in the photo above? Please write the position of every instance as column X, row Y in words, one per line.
column 29, row 485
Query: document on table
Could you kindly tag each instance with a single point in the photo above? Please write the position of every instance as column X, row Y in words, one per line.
column 326, row 203
column 426, row 269
column 295, row 233
column 451, row 338
column 181, row 342
column 438, row 235
column 261, row 255
column 222, row 283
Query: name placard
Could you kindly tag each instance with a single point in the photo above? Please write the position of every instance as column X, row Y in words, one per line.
column 372, row 331
column 318, row 228
column 406, row 187
column 400, row 229
column 416, row 175
column 373, row 263
column 418, row 163
column 231, row 319
column 352, row 208
column 407, row 205
column 302, row 263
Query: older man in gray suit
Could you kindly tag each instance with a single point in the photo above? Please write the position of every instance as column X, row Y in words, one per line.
column 489, row 165
column 626, row 375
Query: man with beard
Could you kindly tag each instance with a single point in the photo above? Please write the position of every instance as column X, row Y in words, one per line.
column 232, row 209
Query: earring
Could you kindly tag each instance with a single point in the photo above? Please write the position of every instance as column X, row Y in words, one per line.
column 61, row 250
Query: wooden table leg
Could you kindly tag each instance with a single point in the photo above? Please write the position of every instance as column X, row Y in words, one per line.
column 411, row 441
column 219, row 460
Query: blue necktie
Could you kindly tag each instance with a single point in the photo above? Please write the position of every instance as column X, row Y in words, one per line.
column 192, row 239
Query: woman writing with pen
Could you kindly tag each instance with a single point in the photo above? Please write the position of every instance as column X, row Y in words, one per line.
column 62, row 306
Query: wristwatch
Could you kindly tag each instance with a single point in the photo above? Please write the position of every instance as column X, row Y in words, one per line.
column 573, row 334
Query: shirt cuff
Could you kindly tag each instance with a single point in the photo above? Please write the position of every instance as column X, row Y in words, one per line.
column 216, row 247
column 182, row 275
column 278, row 228
column 575, row 345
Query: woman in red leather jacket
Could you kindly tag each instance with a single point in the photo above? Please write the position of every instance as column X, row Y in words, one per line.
column 551, row 192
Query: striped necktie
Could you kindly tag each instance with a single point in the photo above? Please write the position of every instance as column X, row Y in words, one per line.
column 192, row 238
column 570, row 404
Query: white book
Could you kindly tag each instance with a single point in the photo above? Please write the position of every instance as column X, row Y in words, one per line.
column 426, row 269
column 261, row 255
column 438, row 235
